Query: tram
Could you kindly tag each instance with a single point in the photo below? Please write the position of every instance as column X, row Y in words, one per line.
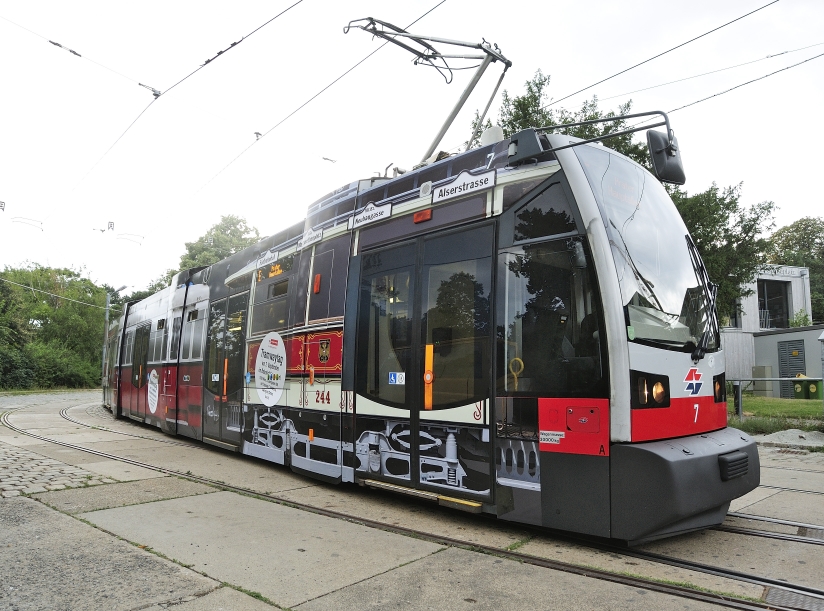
column 525, row 329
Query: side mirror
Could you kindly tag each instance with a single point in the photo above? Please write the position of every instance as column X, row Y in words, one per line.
column 666, row 158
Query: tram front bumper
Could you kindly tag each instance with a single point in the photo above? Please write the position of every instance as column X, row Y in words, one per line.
column 661, row 488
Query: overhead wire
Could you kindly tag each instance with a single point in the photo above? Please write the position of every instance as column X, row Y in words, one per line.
column 31, row 288
column 715, row 95
column 660, row 54
column 157, row 94
column 73, row 52
column 264, row 134
column 755, row 61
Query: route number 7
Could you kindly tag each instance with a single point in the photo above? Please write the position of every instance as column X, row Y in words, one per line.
column 695, row 407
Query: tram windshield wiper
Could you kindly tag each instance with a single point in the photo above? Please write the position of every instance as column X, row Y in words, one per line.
column 710, row 292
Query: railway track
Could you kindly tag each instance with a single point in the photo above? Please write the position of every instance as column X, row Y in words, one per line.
column 779, row 595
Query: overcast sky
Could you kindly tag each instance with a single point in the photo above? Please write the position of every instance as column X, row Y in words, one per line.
column 164, row 182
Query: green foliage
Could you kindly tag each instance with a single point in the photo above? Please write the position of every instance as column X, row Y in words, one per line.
column 802, row 244
column 730, row 237
column 223, row 239
column 48, row 339
column 530, row 110
column 801, row 319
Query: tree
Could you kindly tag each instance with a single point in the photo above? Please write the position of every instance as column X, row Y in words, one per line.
column 56, row 329
column 531, row 110
column 223, row 239
column 731, row 238
column 802, row 243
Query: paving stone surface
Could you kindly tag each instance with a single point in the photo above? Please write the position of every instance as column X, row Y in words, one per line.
column 24, row 472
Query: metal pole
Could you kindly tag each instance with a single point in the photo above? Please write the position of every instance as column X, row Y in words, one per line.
column 739, row 410
column 105, row 347
column 479, row 127
column 461, row 101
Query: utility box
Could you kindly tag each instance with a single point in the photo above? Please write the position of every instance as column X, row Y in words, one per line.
column 763, row 389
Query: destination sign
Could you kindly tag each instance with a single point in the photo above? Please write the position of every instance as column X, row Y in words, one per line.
column 370, row 214
column 310, row 237
column 464, row 184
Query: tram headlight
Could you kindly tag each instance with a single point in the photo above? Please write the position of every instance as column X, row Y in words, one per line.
column 658, row 393
column 649, row 390
column 719, row 388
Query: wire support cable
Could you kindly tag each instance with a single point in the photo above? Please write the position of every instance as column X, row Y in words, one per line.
column 232, row 46
column 73, row 52
column 715, row 95
column 659, row 55
column 681, row 80
column 279, row 123
column 31, row 288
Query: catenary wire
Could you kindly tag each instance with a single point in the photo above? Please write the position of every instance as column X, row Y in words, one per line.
column 715, row 95
column 264, row 134
column 158, row 94
column 659, row 55
column 73, row 52
column 31, row 288
column 755, row 61
column 232, row 46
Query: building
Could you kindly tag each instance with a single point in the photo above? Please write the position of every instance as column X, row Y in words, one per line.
column 778, row 295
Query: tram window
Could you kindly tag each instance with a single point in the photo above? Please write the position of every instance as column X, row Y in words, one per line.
column 165, row 349
column 173, row 348
column 330, row 261
column 471, row 161
column 457, row 282
column 435, row 173
column 270, row 315
column 385, row 337
column 277, row 289
column 373, row 195
column 297, row 311
column 215, row 346
column 514, row 192
column 128, row 342
column 400, row 185
column 197, row 339
column 235, row 342
column 346, row 206
column 546, row 214
column 187, row 340
column 549, row 334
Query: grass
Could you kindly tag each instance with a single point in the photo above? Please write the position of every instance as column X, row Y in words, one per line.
column 771, row 407
column 37, row 391
column 766, row 415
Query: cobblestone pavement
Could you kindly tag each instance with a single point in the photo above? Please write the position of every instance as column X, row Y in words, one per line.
column 24, row 472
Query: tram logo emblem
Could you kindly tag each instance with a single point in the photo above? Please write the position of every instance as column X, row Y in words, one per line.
column 693, row 381
column 323, row 350
column 273, row 342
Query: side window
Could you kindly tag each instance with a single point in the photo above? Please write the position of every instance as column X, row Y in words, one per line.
column 140, row 354
column 197, row 338
column 385, row 325
column 215, row 347
column 547, row 213
column 549, row 331
column 327, row 286
column 273, row 286
column 174, row 347
column 128, row 342
column 235, row 365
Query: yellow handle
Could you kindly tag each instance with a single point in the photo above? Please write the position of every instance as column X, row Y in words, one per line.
column 515, row 374
column 428, row 376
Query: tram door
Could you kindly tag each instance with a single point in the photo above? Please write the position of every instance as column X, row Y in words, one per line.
column 225, row 369
column 139, row 370
column 423, row 368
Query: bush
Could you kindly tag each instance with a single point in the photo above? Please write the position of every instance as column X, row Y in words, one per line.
column 16, row 368
column 56, row 366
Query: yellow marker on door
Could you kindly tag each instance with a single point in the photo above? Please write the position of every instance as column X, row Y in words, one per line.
column 428, row 376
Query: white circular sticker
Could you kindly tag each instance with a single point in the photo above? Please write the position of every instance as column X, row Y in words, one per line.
column 711, row 361
column 153, row 377
column 270, row 369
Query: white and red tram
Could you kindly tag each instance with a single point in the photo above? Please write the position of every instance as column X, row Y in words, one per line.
column 525, row 329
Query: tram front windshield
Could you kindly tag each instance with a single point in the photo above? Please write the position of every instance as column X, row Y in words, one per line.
column 664, row 297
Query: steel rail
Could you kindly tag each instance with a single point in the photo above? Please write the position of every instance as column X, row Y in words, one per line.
column 648, row 584
column 769, row 535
